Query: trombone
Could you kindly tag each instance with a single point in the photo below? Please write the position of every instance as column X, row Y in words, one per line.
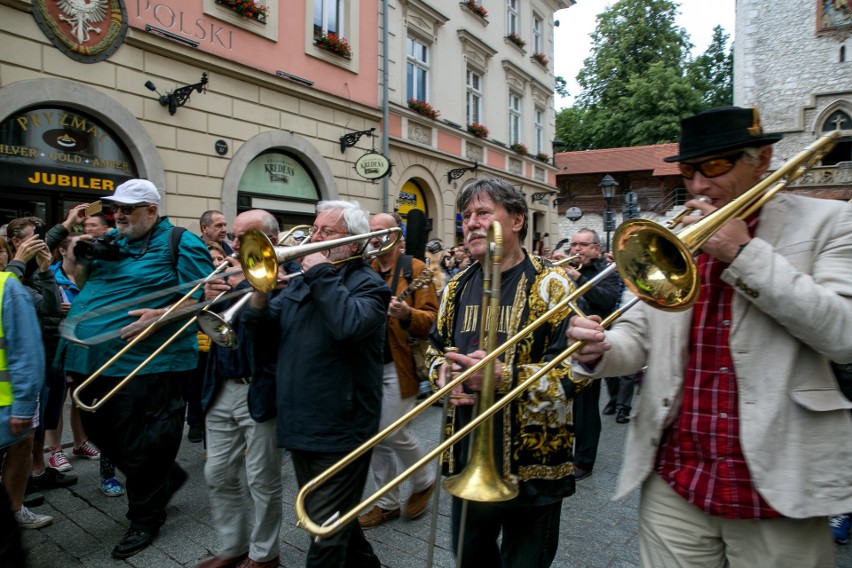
column 260, row 258
column 658, row 266
column 649, row 252
column 219, row 327
column 145, row 333
column 567, row 260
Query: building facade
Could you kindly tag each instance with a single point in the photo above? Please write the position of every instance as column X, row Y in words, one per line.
column 793, row 61
column 275, row 107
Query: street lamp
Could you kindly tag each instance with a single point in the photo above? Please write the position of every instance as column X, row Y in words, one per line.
column 608, row 186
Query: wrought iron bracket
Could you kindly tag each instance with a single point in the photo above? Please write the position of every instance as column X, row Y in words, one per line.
column 351, row 138
column 459, row 172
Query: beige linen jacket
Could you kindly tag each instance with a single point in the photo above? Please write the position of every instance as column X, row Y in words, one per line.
column 791, row 315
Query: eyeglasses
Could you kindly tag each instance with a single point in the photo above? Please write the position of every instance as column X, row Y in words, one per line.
column 714, row 167
column 325, row 232
column 125, row 209
column 584, row 245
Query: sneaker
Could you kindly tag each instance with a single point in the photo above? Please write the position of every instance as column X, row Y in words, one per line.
column 28, row 520
column 840, row 527
column 58, row 460
column 87, row 451
column 52, row 479
column 111, row 487
column 376, row 516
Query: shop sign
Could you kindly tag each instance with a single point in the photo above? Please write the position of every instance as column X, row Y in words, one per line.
column 51, row 148
column 278, row 174
column 85, row 30
column 410, row 197
column 372, row 166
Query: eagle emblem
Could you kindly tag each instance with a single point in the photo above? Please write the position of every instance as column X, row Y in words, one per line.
column 81, row 14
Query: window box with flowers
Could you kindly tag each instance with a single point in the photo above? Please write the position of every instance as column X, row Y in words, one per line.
column 478, row 130
column 542, row 157
column 519, row 148
column 423, row 108
column 476, row 8
column 514, row 38
column 540, row 58
column 247, row 8
column 335, row 44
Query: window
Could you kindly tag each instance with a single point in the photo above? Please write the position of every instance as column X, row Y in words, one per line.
column 417, row 69
column 539, row 131
column 474, row 97
column 328, row 18
column 538, row 42
column 513, row 17
column 514, row 118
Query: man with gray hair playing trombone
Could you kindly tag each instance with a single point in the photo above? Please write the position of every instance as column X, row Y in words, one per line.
column 329, row 372
column 139, row 429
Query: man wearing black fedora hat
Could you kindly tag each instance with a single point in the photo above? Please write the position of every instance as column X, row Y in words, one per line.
column 740, row 440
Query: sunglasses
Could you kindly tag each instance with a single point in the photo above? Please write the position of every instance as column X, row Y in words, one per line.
column 125, row 209
column 714, row 167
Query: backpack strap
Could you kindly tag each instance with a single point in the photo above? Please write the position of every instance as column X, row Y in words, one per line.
column 405, row 259
column 174, row 243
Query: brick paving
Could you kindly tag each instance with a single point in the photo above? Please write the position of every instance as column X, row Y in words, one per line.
column 596, row 532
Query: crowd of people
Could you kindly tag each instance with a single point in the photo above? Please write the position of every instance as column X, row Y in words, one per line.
column 737, row 441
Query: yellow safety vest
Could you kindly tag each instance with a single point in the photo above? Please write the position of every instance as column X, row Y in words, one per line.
column 5, row 385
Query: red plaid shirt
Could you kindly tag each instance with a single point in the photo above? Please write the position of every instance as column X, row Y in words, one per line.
column 700, row 456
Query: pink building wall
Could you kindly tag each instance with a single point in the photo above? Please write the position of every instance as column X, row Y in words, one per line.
column 186, row 18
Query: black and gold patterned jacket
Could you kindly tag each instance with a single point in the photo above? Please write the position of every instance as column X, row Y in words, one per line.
column 537, row 429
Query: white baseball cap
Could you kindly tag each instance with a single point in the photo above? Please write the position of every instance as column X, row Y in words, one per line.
column 135, row 191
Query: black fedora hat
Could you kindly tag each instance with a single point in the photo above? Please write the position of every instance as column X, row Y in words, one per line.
column 718, row 130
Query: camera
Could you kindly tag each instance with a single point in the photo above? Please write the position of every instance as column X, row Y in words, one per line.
column 99, row 248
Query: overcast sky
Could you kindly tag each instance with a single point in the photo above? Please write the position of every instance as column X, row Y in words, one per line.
column 572, row 41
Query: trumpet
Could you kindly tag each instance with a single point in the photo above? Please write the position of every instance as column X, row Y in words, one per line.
column 649, row 252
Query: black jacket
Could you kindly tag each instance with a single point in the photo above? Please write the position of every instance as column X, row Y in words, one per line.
column 330, row 356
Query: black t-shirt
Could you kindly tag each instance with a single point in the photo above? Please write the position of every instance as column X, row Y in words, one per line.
column 467, row 321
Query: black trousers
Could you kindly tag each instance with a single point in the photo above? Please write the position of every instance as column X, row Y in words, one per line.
column 587, row 426
column 349, row 547
column 530, row 534
column 139, row 430
column 620, row 391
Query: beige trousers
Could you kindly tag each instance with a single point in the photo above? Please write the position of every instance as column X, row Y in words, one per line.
column 674, row 534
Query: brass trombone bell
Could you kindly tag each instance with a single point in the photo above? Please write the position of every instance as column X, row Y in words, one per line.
column 260, row 259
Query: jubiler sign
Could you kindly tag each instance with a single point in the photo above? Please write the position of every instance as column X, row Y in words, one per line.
column 54, row 148
column 372, row 166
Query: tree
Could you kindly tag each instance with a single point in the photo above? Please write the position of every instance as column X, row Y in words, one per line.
column 630, row 36
column 561, row 86
column 712, row 72
column 639, row 81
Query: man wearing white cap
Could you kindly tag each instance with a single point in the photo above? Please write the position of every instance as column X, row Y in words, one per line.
column 139, row 429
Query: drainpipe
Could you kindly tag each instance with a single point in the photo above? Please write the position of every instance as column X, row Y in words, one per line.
column 385, row 117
